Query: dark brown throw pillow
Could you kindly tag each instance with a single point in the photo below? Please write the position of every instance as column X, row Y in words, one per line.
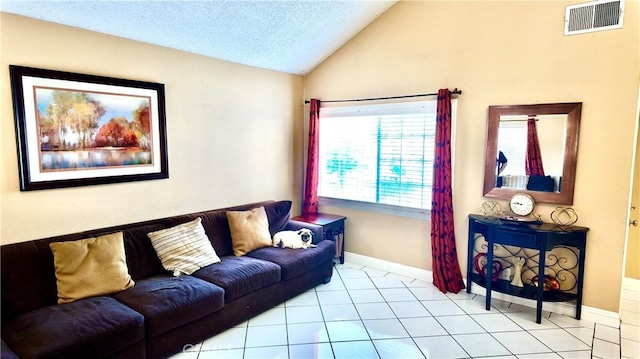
column 278, row 214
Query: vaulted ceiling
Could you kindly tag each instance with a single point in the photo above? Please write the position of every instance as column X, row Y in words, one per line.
column 292, row 36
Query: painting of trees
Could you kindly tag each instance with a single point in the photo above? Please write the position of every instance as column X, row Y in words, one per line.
column 76, row 129
column 142, row 125
column 70, row 121
column 118, row 132
column 77, row 121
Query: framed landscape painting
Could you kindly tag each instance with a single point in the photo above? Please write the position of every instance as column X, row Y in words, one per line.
column 77, row 130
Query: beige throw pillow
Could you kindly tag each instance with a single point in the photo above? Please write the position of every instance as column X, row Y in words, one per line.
column 90, row 267
column 249, row 230
column 184, row 248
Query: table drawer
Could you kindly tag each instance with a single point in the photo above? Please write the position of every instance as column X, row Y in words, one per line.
column 516, row 238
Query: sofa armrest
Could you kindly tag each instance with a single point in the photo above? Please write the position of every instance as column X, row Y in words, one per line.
column 293, row 225
column 6, row 352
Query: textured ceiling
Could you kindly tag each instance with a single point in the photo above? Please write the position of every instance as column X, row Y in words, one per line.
column 292, row 36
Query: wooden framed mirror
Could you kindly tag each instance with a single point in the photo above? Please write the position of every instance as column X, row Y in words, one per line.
column 509, row 129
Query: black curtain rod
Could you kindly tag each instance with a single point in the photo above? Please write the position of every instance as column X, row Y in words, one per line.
column 454, row 92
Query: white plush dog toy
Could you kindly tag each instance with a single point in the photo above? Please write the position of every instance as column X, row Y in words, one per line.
column 294, row 239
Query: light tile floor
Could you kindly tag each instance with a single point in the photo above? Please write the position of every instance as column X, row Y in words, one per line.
column 368, row 313
column 630, row 315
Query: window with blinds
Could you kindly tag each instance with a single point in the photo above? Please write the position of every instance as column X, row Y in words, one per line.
column 378, row 154
column 512, row 141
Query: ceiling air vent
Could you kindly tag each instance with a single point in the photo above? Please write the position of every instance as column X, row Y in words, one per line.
column 593, row 16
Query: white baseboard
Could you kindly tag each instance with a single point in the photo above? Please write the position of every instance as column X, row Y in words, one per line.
column 595, row 315
column 397, row 268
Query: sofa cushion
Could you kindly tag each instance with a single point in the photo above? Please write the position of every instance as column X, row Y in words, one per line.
column 142, row 259
column 216, row 225
column 168, row 302
column 28, row 278
column 240, row 275
column 90, row 328
column 278, row 214
column 90, row 267
column 7, row 353
column 294, row 262
column 249, row 230
column 184, row 248
column 541, row 183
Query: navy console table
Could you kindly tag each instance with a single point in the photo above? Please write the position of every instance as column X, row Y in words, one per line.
column 558, row 252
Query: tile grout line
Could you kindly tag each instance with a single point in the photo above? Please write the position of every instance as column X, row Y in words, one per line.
column 286, row 327
column 246, row 338
column 324, row 320
column 492, row 334
column 402, row 324
column 447, row 331
column 619, row 340
column 361, row 320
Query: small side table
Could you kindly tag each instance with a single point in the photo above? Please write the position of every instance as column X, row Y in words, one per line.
column 332, row 228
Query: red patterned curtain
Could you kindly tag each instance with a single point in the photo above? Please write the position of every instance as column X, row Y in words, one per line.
column 533, row 161
column 310, row 201
column 446, row 270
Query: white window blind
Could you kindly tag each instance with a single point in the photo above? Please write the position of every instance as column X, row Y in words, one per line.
column 378, row 154
column 512, row 141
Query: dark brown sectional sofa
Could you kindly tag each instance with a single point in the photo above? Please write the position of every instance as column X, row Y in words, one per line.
column 161, row 314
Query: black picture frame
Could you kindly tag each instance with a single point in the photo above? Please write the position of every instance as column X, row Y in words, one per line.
column 78, row 130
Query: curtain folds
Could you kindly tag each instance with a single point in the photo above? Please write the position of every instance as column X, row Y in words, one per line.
column 533, row 160
column 310, row 200
column 446, row 270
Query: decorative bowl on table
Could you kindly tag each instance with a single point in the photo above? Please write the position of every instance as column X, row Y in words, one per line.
column 550, row 283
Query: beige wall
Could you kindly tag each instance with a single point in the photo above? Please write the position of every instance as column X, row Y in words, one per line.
column 551, row 136
column 500, row 53
column 632, row 262
column 230, row 132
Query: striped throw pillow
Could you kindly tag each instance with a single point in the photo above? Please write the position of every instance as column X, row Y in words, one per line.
column 184, row 248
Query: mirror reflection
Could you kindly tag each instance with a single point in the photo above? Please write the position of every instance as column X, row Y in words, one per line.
column 532, row 149
column 531, row 152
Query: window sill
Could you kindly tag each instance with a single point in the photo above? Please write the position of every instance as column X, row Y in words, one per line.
column 408, row 212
